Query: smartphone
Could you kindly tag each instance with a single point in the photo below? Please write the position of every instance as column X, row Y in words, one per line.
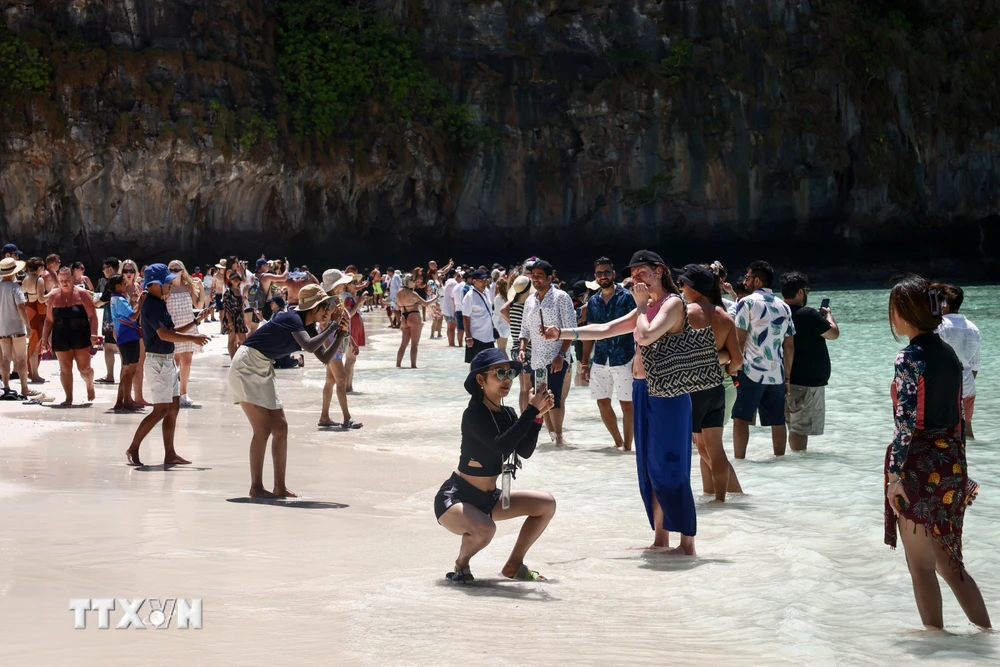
column 541, row 379
column 824, row 304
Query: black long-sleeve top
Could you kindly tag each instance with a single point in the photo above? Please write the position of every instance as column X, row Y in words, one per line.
column 489, row 438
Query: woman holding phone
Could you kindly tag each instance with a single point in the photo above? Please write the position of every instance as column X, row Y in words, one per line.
column 180, row 305
column 493, row 437
column 253, row 383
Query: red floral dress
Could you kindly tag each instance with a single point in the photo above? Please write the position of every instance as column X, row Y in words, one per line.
column 926, row 454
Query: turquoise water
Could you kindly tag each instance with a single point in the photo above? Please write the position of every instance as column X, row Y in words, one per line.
column 794, row 571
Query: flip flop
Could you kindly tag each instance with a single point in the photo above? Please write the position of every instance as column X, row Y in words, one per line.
column 104, row 381
column 524, row 574
column 463, row 577
column 351, row 425
column 327, row 425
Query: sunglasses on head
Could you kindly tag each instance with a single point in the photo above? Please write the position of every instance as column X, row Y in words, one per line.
column 509, row 373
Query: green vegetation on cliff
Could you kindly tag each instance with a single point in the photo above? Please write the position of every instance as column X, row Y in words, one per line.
column 22, row 68
column 336, row 61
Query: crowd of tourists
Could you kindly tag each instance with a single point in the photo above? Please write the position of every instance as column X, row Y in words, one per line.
column 683, row 353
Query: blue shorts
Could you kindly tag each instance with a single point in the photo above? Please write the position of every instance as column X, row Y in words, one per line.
column 766, row 399
column 461, row 322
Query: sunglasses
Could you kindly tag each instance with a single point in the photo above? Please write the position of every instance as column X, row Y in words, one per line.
column 604, row 273
column 510, row 373
column 128, row 271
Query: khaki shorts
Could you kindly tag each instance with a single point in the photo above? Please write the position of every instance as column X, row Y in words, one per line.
column 805, row 410
column 160, row 380
column 252, row 380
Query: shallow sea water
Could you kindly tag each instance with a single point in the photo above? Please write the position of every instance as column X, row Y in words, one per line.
column 795, row 571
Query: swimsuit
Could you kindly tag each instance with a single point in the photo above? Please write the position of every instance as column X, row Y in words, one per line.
column 70, row 328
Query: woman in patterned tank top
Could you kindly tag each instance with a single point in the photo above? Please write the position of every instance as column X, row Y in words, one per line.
column 662, row 425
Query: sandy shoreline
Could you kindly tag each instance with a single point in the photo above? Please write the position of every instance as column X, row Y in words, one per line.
column 354, row 575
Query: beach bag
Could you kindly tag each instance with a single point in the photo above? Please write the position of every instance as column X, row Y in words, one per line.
column 256, row 296
column 682, row 363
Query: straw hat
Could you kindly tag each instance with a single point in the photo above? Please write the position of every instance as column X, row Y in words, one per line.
column 522, row 285
column 10, row 266
column 221, row 264
column 334, row 277
column 310, row 296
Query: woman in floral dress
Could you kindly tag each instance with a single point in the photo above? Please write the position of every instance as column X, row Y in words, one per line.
column 927, row 486
column 233, row 323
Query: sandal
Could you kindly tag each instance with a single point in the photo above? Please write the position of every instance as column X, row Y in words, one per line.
column 351, row 425
column 461, row 577
column 524, row 574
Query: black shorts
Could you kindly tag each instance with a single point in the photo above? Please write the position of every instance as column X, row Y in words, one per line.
column 457, row 490
column 477, row 347
column 768, row 400
column 708, row 409
column 556, row 381
column 129, row 352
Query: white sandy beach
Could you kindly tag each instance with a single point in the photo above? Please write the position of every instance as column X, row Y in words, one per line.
column 794, row 572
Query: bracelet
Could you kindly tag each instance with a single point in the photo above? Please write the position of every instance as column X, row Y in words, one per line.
column 576, row 335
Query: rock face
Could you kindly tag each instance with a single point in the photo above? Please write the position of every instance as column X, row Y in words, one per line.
column 617, row 123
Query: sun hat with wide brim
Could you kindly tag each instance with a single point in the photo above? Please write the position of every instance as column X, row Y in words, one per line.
column 221, row 264
column 522, row 285
column 310, row 296
column 334, row 278
column 483, row 362
column 10, row 266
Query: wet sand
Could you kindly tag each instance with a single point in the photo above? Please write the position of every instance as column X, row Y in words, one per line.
column 792, row 573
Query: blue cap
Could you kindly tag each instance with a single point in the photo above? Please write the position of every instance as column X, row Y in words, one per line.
column 10, row 248
column 261, row 262
column 157, row 274
column 489, row 357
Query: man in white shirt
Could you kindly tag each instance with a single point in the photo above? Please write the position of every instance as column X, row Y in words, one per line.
column 448, row 305
column 457, row 295
column 766, row 333
column 477, row 314
column 556, row 308
column 395, row 283
column 965, row 339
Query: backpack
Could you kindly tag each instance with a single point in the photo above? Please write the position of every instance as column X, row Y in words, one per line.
column 256, row 296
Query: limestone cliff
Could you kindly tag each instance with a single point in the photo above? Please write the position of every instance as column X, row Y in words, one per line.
column 614, row 121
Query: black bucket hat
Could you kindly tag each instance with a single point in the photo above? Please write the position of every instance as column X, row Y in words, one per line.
column 699, row 278
column 482, row 361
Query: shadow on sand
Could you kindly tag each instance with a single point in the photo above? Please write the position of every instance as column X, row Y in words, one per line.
column 281, row 502
column 533, row 591
column 167, row 467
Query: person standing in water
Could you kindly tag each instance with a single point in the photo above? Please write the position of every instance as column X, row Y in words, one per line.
column 253, row 383
column 160, row 374
column 927, row 485
column 765, row 330
column 662, row 425
column 965, row 339
column 612, row 358
column 469, row 502
column 708, row 406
